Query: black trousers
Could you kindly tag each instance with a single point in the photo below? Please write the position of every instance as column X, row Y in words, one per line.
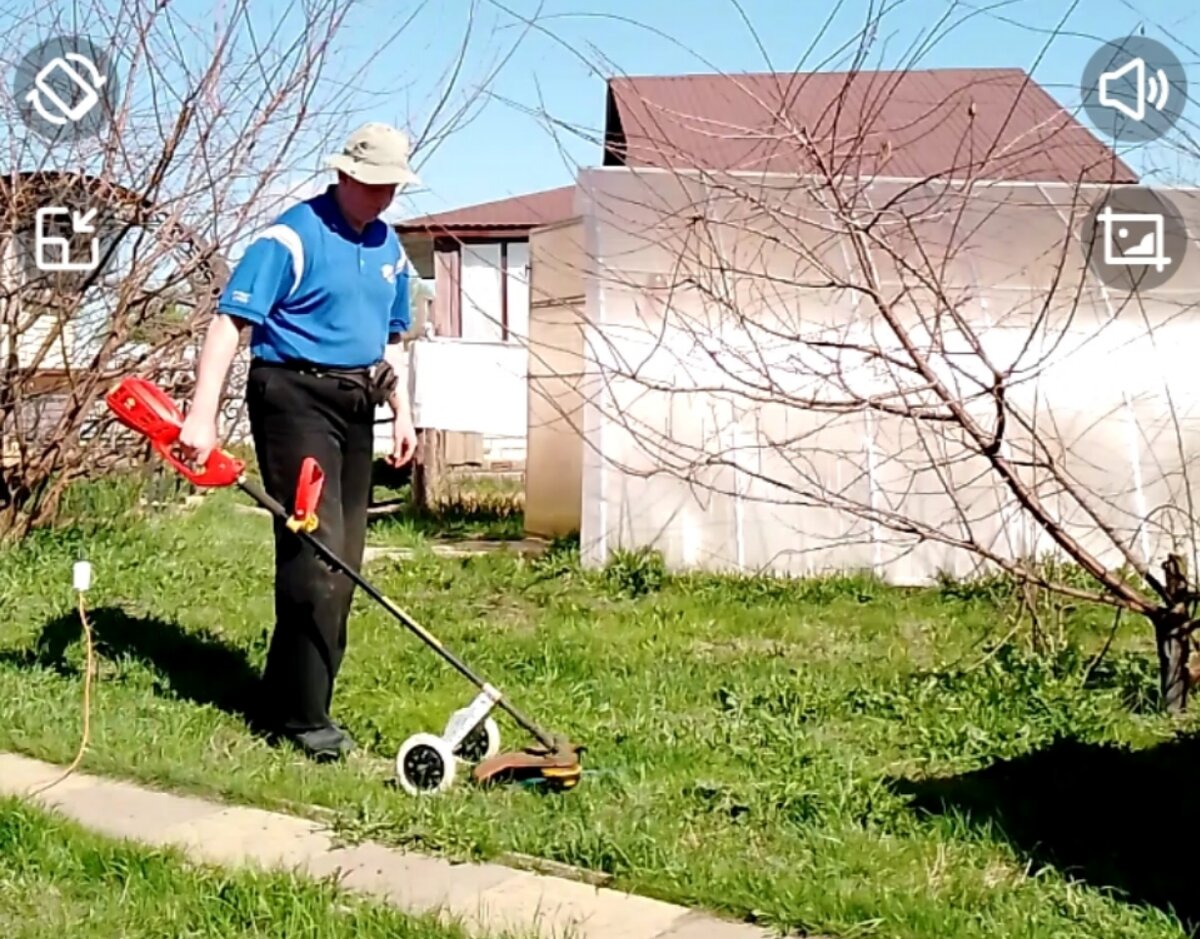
column 293, row 415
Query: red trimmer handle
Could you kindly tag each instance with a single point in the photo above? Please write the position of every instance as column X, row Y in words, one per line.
column 142, row 406
column 308, row 496
column 220, row 469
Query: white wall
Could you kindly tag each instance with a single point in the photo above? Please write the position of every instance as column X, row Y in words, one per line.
column 29, row 334
column 483, row 312
column 518, row 291
column 480, row 286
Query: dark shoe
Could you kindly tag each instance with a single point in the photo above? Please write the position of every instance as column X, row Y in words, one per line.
column 348, row 743
column 324, row 745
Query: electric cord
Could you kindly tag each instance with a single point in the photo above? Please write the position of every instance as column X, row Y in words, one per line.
column 82, row 581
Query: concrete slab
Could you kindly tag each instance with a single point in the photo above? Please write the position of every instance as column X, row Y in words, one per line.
column 487, row 899
column 411, row 882
column 123, row 811
column 21, row 775
column 250, row 837
column 564, row 908
column 372, row 553
column 697, row 925
column 458, row 549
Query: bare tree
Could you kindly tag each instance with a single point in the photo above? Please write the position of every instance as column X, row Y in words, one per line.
column 855, row 364
column 209, row 127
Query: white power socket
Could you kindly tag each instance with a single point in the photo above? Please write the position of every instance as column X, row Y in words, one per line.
column 83, row 575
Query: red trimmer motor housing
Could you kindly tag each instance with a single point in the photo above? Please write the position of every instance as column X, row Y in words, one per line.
column 144, row 407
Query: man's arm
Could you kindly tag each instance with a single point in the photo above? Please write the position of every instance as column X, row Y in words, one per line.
column 404, row 437
column 261, row 279
column 220, row 346
column 396, row 357
column 398, row 324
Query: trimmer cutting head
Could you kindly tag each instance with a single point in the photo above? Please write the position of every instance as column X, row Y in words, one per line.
column 559, row 766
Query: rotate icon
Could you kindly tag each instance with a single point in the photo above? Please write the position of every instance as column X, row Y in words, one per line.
column 45, row 98
column 65, row 89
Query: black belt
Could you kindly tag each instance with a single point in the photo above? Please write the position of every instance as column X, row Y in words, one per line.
column 315, row 368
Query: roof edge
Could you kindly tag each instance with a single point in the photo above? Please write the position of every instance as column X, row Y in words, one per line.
column 450, row 217
column 1014, row 70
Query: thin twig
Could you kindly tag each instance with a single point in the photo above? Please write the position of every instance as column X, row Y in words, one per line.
column 1087, row 672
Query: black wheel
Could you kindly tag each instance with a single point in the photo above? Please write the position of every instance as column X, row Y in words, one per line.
column 480, row 744
column 425, row 764
column 475, row 746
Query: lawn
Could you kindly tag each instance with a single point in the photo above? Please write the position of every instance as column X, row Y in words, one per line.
column 833, row 756
column 57, row 879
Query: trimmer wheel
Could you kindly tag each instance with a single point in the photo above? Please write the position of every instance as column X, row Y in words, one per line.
column 480, row 744
column 425, row 765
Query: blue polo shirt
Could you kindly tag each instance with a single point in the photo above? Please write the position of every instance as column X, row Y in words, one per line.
column 316, row 290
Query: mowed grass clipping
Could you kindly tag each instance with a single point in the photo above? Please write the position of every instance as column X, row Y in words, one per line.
column 58, row 880
column 833, row 756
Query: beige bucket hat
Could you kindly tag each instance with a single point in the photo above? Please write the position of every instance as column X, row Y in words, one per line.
column 376, row 154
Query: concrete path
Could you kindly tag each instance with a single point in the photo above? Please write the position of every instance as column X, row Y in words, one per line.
column 485, row 898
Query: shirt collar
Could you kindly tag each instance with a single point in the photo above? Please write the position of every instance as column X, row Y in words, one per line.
column 328, row 209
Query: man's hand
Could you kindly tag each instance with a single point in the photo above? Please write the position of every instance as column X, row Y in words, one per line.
column 198, row 437
column 404, row 442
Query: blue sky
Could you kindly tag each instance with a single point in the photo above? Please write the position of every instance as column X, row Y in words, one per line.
column 524, row 58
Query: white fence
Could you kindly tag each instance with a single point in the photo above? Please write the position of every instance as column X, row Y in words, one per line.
column 470, row 386
column 453, row 385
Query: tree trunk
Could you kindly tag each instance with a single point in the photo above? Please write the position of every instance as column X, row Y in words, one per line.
column 15, row 499
column 1174, row 650
column 429, row 470
column 1172, row 635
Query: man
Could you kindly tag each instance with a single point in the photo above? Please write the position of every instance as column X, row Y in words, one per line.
column 325, row 294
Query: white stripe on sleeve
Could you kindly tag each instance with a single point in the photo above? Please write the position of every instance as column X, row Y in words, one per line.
column 295, row 247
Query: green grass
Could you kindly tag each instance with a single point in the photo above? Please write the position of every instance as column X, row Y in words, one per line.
column 833, row 755
column 57, row 879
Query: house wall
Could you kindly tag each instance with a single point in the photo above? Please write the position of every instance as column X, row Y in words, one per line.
column 554, row 461
column 23, row 332
column 23, row 335
column 447, row 307
column 32, row 336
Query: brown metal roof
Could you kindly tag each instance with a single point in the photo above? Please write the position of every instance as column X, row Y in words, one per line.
column 985, row 123
column 518, row 212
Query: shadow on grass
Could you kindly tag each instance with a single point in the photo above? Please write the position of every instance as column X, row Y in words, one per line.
column 1118, row 819
column 480, row 509
column 193, row 667
column 390, row 485
column 487, row 518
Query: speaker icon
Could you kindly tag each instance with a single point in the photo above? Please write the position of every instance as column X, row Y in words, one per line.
column 1152, row 89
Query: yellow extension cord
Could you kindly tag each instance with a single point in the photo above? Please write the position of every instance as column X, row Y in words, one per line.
column 87, row 700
